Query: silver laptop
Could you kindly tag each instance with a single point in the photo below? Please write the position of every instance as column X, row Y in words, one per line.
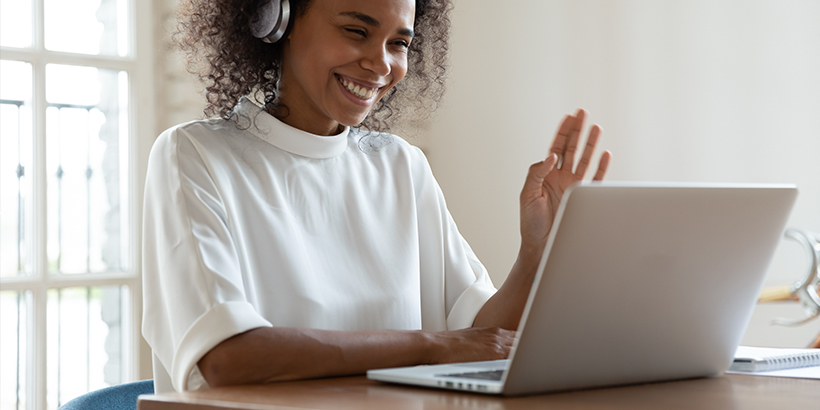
column 639, row 282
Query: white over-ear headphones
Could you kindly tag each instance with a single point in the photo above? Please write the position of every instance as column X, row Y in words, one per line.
column 270, row 23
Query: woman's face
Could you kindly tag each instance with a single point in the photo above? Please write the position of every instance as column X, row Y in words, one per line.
column 340, row 58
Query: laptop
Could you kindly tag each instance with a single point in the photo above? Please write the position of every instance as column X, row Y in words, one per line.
column 639, row 282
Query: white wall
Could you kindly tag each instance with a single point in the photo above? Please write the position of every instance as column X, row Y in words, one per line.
column 725, row 90
column 178, row 92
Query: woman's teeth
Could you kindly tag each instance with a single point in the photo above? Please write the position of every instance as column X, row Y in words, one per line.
column 357, row 90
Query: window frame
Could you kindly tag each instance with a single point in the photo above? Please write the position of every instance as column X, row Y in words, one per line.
column 139, row 66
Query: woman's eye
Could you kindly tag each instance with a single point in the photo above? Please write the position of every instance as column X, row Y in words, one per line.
column 401, row 45
column 356, row 32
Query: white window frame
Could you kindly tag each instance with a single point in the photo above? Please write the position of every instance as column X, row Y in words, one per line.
column 139, row 65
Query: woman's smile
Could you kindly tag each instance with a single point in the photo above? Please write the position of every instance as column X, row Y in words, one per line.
column 361, row 93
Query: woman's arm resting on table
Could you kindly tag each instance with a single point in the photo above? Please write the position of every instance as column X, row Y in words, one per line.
column 269, row 354
column 545, row 185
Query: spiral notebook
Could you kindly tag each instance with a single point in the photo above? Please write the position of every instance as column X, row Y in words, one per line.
column 763, row 359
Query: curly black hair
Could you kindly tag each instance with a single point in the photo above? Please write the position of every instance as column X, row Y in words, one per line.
column 232, row 63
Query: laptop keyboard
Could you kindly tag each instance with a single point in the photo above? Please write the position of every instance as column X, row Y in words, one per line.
column 485, row 375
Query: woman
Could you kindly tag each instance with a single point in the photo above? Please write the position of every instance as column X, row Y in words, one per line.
column 281, row 243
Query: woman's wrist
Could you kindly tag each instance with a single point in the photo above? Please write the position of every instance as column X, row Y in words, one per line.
column 428, row 347
column 529, row 257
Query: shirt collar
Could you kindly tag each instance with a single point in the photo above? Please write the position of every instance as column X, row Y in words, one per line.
column 275, row 132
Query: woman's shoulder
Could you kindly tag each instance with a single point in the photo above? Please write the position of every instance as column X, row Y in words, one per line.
column 394, row 152
column 208, row 129
column 385, row 144
column 191, row 141
column 209, row 135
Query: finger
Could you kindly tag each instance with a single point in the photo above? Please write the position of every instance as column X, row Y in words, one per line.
column 535, row 178
column 510, row 338
column 589, row 149
column 562, row 136
column 572, row 143
column 603, row 164
column 536, row 175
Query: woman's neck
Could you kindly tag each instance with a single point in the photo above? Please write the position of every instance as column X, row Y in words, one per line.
column 289, row 117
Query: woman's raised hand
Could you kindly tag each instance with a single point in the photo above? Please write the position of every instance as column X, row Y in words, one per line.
column 545, row 185
column 547, row 180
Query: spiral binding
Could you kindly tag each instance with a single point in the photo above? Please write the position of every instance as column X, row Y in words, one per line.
column 790, row 361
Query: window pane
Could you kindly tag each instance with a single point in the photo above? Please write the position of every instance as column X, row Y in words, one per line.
column 87, row 165
column 87, row 340
column 14, row 308
column 15, row 23
column 15, row 169
column 87, row 26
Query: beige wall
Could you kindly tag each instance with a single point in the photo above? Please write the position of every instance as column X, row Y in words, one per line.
column 725, row 91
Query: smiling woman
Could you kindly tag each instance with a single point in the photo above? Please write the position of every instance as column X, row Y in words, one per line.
column 277, row 248
column 233, row 64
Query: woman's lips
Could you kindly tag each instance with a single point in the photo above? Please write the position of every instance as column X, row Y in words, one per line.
column 360, row 91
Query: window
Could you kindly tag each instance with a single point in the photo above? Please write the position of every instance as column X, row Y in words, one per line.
column 69, row 203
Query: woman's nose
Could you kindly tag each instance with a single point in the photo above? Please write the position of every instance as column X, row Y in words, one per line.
column 377, row 60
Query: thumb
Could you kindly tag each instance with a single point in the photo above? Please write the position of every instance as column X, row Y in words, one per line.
column 539, row 171
column 536, row 175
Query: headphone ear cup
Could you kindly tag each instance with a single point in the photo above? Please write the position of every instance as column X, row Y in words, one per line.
column 270, row 23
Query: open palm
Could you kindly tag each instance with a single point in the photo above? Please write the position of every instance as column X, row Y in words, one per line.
column 548, row 179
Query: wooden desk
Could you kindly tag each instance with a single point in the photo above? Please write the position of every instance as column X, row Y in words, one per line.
column 725, row 392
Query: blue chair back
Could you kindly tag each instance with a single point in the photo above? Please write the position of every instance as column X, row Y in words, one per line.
column 120, row 397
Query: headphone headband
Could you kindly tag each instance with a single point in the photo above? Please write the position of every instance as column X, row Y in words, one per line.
column 270, row 23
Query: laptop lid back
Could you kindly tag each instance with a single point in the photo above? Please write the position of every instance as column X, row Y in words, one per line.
column 642, row 282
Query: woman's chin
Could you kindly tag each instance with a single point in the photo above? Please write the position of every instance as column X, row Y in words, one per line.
column 351, row 114
column 352, row 120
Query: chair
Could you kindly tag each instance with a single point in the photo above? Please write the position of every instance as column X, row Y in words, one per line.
column 120, row 397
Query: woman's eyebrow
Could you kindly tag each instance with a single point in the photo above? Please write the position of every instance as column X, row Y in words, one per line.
column 370, row 21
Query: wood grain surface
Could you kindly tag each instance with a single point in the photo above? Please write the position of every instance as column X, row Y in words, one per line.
column 724, row 392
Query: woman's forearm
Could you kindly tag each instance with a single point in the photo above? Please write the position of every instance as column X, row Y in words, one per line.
column 270, row 354
column 504, row 309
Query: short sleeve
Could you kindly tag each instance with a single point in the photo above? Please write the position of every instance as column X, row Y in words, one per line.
column 450, row 268
column 193, row 290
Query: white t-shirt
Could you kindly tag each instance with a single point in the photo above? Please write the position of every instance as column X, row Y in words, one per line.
column 272, row 226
